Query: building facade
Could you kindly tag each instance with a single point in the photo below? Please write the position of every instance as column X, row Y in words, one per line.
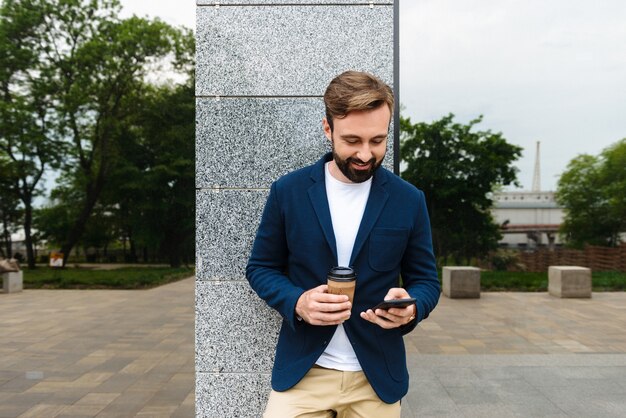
column 529, row 219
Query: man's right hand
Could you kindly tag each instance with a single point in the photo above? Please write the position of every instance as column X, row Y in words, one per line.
column 317, row 307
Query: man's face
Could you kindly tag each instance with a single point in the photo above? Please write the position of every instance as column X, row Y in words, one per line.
column 359, row 143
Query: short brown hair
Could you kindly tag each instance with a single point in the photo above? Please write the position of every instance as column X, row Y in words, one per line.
column 355, row 90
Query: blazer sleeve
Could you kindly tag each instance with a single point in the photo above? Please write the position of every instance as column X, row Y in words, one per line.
column 419, row 268
column 267, row 267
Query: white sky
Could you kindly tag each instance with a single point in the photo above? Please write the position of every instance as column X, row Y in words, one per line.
column 174, row 12
column 550, row 71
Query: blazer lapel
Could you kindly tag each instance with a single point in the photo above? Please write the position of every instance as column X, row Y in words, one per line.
column 375, row 204
column 319, row 200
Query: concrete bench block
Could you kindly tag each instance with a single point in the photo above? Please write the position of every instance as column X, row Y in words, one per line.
column 569, row 281
column 12, row 282
column 461, row 282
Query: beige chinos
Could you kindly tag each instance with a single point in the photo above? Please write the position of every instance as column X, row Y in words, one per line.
column 328, row 393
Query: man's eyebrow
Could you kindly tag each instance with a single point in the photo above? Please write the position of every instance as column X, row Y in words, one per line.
column 353, row 136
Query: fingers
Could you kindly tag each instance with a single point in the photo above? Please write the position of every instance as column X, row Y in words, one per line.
column 320, row 294
column 370, row 316
column 324, row 318
column 331, row 307
column 319, row 308
column 391, row 318
column 325, row 302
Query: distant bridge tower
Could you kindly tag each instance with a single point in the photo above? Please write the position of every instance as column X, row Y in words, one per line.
column 537, row 174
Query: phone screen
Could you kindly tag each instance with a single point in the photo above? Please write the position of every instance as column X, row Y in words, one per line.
column 394, row 303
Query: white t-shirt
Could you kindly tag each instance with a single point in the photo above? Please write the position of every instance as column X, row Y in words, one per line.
column 347, row 203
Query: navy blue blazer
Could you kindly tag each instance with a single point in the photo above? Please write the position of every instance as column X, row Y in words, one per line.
column 295, row 248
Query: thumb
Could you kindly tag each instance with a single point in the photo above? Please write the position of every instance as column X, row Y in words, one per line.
column 397, row 293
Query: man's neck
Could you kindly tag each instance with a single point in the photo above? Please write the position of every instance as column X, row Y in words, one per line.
column 336, row 173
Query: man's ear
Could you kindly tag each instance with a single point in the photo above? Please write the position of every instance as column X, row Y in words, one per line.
column 327, row 131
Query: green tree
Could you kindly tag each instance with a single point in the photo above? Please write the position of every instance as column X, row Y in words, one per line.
column 27, row 139
column 97, row 63
column 153, row 185
column 458, row 167
column 54, row 220
column 9, row 211
column 169, row 131
column 70, row 75
column 593, row 191
column 148, row 199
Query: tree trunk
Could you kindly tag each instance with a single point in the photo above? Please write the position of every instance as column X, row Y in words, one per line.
column 78, row 228
column 28, row 238
column 8, row 245
column 173, row 240
column 133, row 250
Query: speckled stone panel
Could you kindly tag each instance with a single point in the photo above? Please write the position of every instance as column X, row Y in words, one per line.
column 236, row 395
column 252, row 329
column 289, row 50
column 262, row 67
column 226, row 223
column 251, row 142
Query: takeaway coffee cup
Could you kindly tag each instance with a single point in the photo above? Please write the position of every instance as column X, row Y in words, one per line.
column 342, row 281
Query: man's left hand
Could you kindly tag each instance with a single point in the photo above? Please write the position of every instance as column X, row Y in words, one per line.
column 393, row 317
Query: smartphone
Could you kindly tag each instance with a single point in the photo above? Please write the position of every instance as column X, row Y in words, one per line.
column 394, row 303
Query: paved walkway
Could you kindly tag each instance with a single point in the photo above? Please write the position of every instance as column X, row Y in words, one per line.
column 524, row 323
column 103, row 353
column 520, row 355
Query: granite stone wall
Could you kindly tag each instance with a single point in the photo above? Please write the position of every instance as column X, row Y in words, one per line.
column 262, row 67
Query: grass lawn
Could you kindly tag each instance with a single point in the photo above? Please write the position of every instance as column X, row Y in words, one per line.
column 123, row 278
column 538, row 282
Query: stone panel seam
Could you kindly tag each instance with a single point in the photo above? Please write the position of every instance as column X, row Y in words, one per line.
column 218, row 5
column 237, row 189
column 396, row 88
column 218, row 97
column 233, row 373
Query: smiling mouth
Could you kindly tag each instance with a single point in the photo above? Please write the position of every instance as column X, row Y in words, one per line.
column 361, row 166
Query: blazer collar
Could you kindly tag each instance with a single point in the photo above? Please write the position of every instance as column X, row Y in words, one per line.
column 375, row 204
column 319, row 200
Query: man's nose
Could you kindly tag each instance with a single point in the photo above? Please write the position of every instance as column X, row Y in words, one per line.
column 365, row 153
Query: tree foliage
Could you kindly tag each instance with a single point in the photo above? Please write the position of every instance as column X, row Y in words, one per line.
column 72, row 80
column 148, row 199
column 9, row 211
column 153, row 184
column 28, row 140
column 458, row 167
column 593, row 191
column 98, row 64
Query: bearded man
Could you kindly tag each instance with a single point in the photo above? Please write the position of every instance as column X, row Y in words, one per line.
column 335, row 358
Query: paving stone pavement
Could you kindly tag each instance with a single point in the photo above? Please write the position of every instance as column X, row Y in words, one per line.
column 519, row 355
column 103, row 353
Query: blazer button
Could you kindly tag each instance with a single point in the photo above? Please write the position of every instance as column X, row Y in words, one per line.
column 325, row 342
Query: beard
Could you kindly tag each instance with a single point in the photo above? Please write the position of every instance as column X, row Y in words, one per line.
column 356, row 176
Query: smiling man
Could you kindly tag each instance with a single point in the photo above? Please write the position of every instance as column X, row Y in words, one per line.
column 335, row 358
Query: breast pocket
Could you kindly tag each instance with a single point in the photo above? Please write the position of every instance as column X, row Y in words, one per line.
column 387, row 247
